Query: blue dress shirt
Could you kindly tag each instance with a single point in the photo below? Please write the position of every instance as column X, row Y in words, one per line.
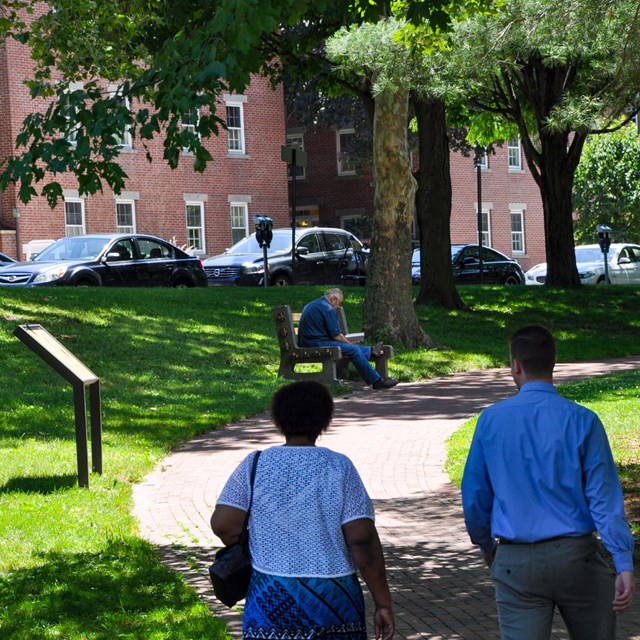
column 319, row 321
column 540, row 466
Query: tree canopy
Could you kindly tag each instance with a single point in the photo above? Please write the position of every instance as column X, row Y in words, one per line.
column 607, row 186
column 558, row 70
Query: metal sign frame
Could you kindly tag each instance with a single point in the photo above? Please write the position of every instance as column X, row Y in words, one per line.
column 64, row 363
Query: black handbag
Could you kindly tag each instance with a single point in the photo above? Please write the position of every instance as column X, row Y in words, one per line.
column 231, row 570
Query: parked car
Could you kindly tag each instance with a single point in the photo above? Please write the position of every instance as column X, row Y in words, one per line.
column 323, row 255
column 6, row 260
column 108, row 259
column 623, row 265
column 497, row 268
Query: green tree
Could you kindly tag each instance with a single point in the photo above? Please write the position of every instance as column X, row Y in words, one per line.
column 606, row 189
column 555, row 69
column 374, row 51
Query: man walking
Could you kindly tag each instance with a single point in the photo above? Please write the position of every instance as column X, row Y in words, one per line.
column 319, row 326
column 539, row 481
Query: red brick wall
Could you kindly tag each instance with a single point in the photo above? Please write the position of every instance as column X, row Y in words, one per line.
column 259, row 176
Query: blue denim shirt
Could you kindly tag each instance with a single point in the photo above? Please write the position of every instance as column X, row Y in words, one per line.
column 319, row 321
column 540, row 466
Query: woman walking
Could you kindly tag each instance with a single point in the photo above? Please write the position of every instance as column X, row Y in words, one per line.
column 311, row 529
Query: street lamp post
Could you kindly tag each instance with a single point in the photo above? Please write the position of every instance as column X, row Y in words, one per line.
column 479, row 155
column 16, row 215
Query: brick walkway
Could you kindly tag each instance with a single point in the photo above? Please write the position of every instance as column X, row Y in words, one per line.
column 396, row 439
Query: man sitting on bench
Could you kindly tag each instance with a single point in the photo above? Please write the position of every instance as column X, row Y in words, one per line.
column 319, row 326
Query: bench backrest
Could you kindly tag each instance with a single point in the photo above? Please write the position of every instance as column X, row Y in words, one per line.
column 285, row 330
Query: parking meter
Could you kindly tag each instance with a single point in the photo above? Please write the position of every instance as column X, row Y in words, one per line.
column 604, row 240
column 264, row 230
column 264, row 236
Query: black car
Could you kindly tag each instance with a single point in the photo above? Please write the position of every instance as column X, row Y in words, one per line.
column 465, row 261
column 322, row 256
column 5, row 260
column 110, row 260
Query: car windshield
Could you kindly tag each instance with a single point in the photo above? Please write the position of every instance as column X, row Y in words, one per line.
column 281, row 243
column 75, row 248
column 588, row 254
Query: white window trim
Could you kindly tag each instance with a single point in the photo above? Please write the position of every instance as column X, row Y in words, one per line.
column 484, row 162
column 242, row 205
column 190, row 127
column 238, row 103
column 83, row 226
column 72, row 137
column 341, row 171
column 127, row 140
column 132, row 202
column 487, row 207
column 301, row 172
column 518, row 146
column 517, row 208
column 200, row 205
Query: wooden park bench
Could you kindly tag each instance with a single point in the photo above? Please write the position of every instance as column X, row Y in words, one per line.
column 334, row 365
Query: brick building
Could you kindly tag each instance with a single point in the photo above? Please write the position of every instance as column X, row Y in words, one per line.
column 330, row 191
column 208, row 211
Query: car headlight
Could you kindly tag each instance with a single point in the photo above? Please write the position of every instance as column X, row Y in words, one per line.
column 51, row 274
column 253, row 267
column 587, row 275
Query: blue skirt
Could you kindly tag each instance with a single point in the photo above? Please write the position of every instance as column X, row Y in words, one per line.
column 280, row 608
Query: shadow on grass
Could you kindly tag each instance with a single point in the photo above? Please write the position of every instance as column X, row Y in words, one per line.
column 43, row 485
column 123, row 591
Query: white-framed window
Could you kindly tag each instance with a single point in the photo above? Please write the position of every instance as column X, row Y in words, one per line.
column 189, row 122
column 486, row 227
column 239, row 221
column 195, row 225
column 74, row 220
column 486, row 223
column 514, row 154
column 307, row 215
column 517, row 230
column 235, row 127
column 69, row 112
column 124, row 139
column 125, row 216
column 296, row 140
column 344, row 140
column 483, row 161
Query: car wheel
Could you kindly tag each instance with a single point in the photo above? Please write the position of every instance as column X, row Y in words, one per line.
column 181, row 284
column 280, row 280
column 512, row 279
column 601, row 280
column 86, row 282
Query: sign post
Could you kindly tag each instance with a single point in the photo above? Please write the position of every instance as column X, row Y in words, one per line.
column 63, row 362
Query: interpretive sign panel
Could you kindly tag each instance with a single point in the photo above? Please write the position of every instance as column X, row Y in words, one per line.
column 63, row 362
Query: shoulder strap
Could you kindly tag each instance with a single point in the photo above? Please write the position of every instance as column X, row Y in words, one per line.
column 254, row 467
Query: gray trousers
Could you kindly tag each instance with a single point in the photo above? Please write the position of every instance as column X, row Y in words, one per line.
column 568, row 573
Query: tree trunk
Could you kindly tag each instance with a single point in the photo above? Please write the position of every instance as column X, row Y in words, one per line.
column 553, row 160
column 555, row 180
column 389, row 314
column 433, row 207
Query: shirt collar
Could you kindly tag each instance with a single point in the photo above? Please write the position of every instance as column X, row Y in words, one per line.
column 538, row 386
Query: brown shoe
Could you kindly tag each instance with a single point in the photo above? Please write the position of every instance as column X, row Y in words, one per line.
column 384, row 383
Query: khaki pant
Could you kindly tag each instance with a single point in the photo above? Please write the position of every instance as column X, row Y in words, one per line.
column 568, row 573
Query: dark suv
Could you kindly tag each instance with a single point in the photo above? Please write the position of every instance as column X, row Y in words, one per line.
column 323, row 256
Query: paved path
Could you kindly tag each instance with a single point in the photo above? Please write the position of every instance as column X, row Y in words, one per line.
column 396, row 439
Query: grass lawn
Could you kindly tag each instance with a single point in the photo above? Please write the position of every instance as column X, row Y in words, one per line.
column 174, row 363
